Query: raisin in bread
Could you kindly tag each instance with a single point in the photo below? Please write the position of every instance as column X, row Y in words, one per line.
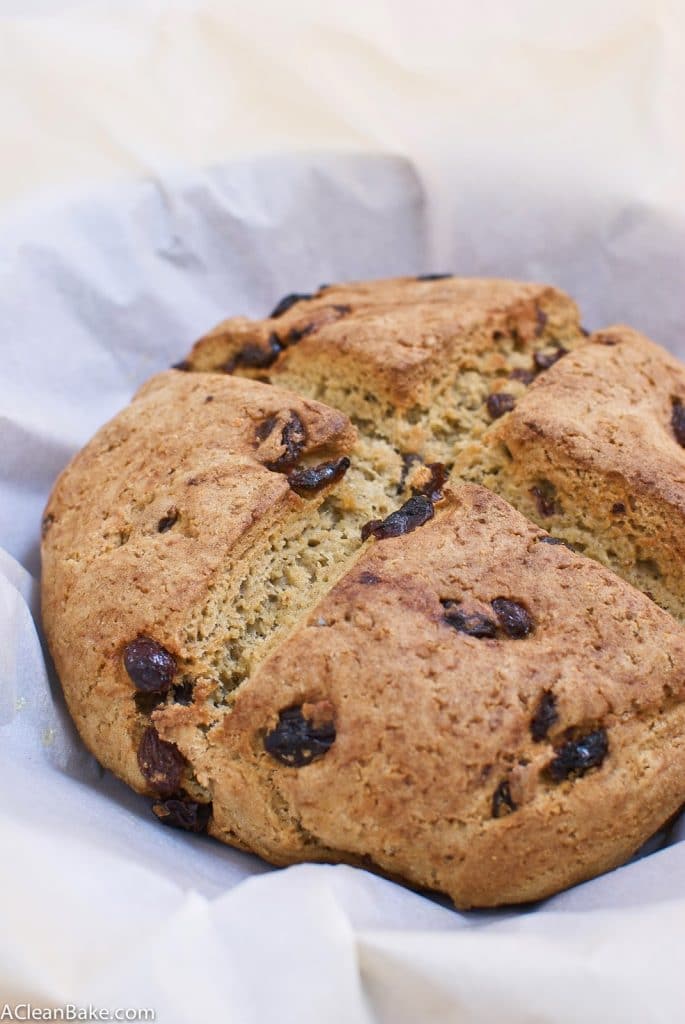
column 285, row 602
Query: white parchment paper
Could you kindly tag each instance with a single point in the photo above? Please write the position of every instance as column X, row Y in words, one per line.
column 99, row 904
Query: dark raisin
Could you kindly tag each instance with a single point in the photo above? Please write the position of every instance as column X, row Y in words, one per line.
column 182, row 693
column 502, row 802
column 415, row 512
column 408, row 461
column 326, row 315
column 298, row 333
column 286, row 302
column 313, row 478
column 472, row 623
column 167, row 521
column 209, row 398
column 606, row 339
column 433, row 487
column 368, row 578
column 578, row 756
column 618, row 508
column 433, row 277
column 545, row 498
column 147, row 702
column 543, row 360
column 545, row 716
column 525, row 376
column 255, row 357
column 514, row 619
column 296, row 741
column 293, row 438
column 183, row 366
column 540, row 321
column 160, row 762
column 185, row 814
column 265, row 428
column 151, row 667
column 45, row 525
column 555, row 541
column 678, row 421
column 499, row 403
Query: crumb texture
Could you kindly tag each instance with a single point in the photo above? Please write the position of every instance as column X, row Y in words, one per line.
column 377, row 580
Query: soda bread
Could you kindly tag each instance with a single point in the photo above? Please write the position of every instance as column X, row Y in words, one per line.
column 286, row 603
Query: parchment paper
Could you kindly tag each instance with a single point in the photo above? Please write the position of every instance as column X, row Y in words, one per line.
column 99, row 903
column 101, row 288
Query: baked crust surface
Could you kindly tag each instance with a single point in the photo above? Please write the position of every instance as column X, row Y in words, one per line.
column 293, row 611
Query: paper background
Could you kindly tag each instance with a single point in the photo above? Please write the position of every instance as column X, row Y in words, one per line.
column 531, row 144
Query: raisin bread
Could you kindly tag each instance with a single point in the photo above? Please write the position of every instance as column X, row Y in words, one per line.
column 285, row 602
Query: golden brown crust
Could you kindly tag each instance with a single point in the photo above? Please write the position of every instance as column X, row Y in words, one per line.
column 606, row 405
column 592, row 454
column 395, row 338
column 430, row 721
column 110, row 575
column 467, row 705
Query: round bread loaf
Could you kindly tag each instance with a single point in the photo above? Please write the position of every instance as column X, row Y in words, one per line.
column 392, row 577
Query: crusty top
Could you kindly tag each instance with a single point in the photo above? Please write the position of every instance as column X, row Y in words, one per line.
column 611, row 404
column 456, row 664
column 164, row 500
column 299, row 632
column 187, row 447
column 395, row 336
